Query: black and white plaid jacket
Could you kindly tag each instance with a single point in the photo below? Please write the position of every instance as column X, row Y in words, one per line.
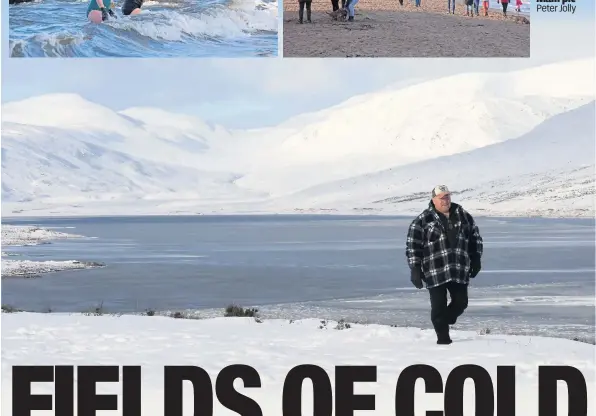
column 427, row 246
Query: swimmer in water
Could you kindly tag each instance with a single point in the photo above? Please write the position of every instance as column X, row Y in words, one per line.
column 131, row 7
column 97, row 7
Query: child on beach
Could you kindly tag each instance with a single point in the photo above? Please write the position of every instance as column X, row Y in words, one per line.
column 469, row 7
column 504, row 3
column 485, row 5
column 518, row 4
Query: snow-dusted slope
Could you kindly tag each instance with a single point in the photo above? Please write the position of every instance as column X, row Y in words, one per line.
column 130, row 134
column 430, row 119
column 63, row 154
column 549, row 169
column 60, row 166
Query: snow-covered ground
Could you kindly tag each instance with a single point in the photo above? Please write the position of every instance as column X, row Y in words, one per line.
column 26, row 235
column 23, row 235
column 28, row 268
column 273, row 348
column 510, row 143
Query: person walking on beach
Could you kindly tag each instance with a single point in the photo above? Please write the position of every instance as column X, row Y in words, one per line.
column 469, row 7
column 485, row 4
column 477, row 7
column 308, row 4
column 98, row 10
column 444, row 250
column 451, row 6
column 504, row 4
column 350, row 6
column 518, row 4
column 335, row 4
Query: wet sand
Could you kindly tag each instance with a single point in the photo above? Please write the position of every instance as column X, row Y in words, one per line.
column 384, row 28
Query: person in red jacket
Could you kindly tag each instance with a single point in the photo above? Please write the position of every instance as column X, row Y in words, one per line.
column 504, row 3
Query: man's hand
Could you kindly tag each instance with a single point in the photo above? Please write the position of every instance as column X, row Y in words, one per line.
column 104, row 14
column 475, row 266
column 416, row 277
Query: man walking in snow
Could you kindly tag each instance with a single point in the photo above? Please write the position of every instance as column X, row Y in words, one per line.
column 444, row 249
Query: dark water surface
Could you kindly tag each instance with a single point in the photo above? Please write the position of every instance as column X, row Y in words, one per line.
column 537, row 276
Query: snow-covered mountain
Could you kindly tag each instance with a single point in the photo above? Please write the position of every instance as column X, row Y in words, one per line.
column 430, row 119
column 150, row 134
column 64, row 154
column 550, row 170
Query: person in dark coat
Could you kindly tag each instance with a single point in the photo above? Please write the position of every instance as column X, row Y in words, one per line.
column 444, row 250
column 504, row 4
column 308, row 5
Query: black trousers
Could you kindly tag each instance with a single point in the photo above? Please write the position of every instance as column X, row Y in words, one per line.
column 308, row 4
column 442, row 314
column 335, row 4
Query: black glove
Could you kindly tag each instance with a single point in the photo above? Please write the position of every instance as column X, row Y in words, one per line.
column 104, row 14
column 111, row 12
column 416, row 277
column 475, row 266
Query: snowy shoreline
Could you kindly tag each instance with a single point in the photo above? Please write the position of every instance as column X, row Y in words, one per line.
column 20, row 236
column 546, row 213
column 29, row 235
column 273, row 348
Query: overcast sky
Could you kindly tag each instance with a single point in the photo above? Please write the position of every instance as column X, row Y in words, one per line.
column 263, row 91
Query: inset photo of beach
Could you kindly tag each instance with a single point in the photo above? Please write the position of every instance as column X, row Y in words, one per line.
column 406, row 28
column 143, row 29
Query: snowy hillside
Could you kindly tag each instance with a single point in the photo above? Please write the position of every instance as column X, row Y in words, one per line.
column 431, row 119
column 550, row 168
column 86, row 169
column 163, row 139
column 62, row 154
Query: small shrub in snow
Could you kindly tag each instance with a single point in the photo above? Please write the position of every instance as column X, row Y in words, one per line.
column 342, row 324
column 149, row 312
column 183, row 315
column 10, row 309
column 484, row 331
column 97, row 311
column 239, row 311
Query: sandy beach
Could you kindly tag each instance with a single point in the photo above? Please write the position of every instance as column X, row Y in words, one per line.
column 384, row 28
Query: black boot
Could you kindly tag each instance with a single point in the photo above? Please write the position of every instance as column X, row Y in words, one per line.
column 443, row 337
column 301, row 13
column 308, row 14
